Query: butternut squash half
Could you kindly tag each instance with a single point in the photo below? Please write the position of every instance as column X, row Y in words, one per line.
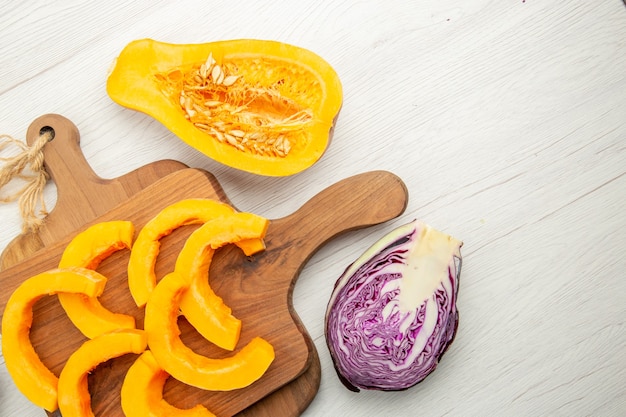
column 260, row 106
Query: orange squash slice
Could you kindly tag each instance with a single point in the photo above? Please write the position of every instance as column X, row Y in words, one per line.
column 237, row 371
column 74, row 397
column 30, row 375
column 204, row 309
column 87, row 249
column 141, row 276
column 142, row 392
column 90, row 247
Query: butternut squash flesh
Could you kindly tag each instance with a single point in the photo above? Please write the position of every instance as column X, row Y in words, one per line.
column 237, row 371
column 142, row 392
column 30, row 375
column 74, row 397
column 87, row 249
column 145, row 250
column 204, row 309
column 260, row 106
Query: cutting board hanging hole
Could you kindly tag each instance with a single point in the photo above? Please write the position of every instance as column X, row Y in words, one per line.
column 26, row 166
column 47, row 130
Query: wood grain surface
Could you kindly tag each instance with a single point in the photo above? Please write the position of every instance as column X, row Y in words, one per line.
column 506, row 120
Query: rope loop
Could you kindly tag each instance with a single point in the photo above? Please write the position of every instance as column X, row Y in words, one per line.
column 27, row 166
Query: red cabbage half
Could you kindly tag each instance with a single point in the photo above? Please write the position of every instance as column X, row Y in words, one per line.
column 393, row 313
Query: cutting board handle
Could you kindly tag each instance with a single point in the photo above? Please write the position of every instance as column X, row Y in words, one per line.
column 356, row 202
column 81, row 194
column 63, row 158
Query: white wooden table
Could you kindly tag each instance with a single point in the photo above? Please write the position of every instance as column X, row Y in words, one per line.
column 505, row 119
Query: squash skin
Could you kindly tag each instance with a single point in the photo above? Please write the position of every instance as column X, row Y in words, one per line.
column 74, row 397
column 141, row 276
column 204, row 310
column 30, row 375
column 142, row 392
column 234, row 372
column 87, row 249
column 130, row 84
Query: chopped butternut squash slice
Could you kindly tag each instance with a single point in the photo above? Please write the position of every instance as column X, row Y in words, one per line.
column 96, row 243
column 30, row 375
column 141, row 276
column 204, row 309
column 87, row 249
column 142, row 392
column 74, row 397
column 238, row 371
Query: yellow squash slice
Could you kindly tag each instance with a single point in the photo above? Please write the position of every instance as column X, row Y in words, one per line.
column 74, row 397
column 204, row 309
column 142, row 392
column 238, row 371
column 141, row 276
column 30, row 375
column 90, row 247
column 87, row 250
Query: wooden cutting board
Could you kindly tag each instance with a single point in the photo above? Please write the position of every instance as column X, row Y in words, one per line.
column 258, row 289
column 79, row 202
